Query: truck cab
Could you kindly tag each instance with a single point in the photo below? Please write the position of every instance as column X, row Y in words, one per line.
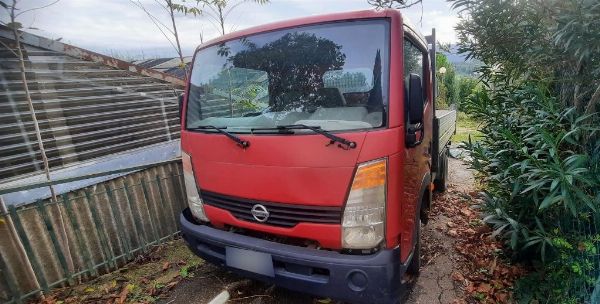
column 310, row 149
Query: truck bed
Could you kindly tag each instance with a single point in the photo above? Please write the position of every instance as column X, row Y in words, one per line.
column 444, row 126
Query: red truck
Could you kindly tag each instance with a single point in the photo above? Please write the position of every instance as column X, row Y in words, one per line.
column 310, row 151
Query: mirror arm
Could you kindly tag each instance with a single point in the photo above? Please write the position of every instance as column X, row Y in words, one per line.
column 411, row 135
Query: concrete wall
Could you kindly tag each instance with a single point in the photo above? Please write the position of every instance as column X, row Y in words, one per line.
column 106, row 226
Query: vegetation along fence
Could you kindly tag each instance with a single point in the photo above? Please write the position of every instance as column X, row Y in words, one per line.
column 87, row 232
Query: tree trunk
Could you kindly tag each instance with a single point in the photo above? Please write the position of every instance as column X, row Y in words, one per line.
column 179, row 51
column 221, row 19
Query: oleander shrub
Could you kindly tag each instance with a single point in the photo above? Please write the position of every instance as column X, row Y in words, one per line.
column 539, row 158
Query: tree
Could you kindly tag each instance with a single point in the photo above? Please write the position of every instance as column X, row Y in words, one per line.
column 527, row 46
column 14, row 12
column 168, row 31
column 447, row 84
column 398, row 4
column 216, row 11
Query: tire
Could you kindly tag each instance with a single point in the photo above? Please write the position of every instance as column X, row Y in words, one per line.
column 440, row 182
column 414, row 267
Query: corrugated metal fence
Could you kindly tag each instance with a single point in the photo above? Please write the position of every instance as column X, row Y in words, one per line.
column 106, row 226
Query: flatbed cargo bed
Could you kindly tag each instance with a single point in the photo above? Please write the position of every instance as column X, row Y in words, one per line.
column 444, row 126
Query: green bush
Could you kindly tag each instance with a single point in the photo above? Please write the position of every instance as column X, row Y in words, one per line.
column 539, row 157
column 541, row 180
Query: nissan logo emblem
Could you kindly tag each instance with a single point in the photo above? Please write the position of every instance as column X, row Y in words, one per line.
column 260, row 213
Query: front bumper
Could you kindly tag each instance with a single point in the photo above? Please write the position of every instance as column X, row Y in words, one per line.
column 374, row 278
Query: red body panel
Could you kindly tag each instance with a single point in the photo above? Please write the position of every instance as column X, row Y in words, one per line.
column 300, row 169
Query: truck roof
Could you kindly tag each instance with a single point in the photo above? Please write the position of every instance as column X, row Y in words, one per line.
column 362, row 14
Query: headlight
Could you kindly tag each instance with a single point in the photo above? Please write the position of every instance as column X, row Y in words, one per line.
column 191, row 189
column 363, row 225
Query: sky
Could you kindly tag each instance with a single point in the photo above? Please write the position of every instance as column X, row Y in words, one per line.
column 119, row 28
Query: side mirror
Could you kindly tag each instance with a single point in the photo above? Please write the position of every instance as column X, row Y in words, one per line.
column 180, row 101
column 415, row 104
column 415, row 99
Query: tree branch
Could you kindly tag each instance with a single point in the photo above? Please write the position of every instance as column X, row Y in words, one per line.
column 138, row 4
column 398, row 4
column 155, row 20
column 36, row 8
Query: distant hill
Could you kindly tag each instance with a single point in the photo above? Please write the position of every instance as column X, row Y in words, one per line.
column 463, row 66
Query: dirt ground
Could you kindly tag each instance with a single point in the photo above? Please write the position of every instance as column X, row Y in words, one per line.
column 434, row 285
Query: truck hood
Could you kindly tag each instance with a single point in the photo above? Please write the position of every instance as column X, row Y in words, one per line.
column 294, row 169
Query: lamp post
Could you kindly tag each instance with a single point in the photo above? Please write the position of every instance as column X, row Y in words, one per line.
column 440, row 83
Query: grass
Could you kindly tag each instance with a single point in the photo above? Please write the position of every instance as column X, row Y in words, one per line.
column 465, row 126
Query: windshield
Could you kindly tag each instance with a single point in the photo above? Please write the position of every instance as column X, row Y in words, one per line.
column 333, row 76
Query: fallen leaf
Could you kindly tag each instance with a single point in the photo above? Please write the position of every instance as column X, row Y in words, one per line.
column 171, row 285
column 123, row 295
column 457, row 276
column 470, row 287
column 466, row 212
column 484, row 288
column 502, row 297
column 493, row 265
column 166, row 266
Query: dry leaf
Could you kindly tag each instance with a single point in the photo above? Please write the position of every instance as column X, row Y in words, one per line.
column 457, row 276
column 484, row 288
column 502, row 297
column 123, row 295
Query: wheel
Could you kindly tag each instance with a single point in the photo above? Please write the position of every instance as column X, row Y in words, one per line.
column 440, row 182
column 414, row 267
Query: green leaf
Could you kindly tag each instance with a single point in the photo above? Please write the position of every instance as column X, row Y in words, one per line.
column 14, row 25
column 550, row 199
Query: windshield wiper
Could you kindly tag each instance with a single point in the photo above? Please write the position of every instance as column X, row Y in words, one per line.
column 240, row 142
column 343, row 143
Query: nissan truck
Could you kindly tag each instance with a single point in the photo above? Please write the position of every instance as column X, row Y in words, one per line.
column 310, row 151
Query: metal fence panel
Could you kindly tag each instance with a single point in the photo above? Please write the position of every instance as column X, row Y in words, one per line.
column 106, row 226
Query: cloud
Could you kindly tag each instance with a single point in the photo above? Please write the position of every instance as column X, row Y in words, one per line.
column 119, row 26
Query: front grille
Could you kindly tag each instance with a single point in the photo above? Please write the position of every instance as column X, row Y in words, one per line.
column 283, row 215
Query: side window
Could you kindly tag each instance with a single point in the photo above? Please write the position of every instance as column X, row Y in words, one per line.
column 413, row 62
